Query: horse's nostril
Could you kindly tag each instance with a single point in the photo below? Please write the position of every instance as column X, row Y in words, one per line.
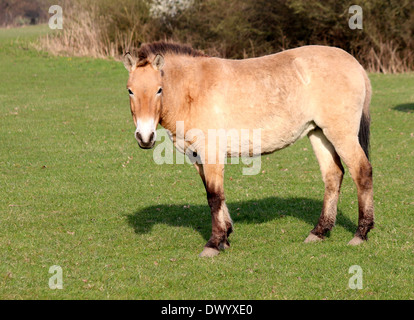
column 151, row 137
column 138, row 136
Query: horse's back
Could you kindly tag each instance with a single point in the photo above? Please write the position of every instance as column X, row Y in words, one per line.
column 302, row 75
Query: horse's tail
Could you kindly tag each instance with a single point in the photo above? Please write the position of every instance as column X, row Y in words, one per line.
column 364, row 130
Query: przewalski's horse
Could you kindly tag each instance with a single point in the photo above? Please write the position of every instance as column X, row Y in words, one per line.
column 318, row 91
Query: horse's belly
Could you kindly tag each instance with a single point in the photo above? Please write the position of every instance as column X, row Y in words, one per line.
column 274, row 140
column 268, row 140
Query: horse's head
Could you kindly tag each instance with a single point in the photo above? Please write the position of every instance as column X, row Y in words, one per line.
column 145, row 92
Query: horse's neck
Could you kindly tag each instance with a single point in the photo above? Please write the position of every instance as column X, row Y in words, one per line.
column 178, row 74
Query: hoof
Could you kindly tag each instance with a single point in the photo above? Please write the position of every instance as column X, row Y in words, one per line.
column 209, row 252
column 312, row 238
column 355, row 241
column 224, row 245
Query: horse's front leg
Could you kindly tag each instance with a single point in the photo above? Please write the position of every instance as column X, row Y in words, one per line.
column 222, row 225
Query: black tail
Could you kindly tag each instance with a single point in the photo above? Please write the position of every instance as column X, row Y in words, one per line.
column 364, row 133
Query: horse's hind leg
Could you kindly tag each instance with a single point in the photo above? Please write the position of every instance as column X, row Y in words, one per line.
column 332, row 174
column 354, row 157
column 222, row 225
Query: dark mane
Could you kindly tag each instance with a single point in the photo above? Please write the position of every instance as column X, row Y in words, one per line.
column 163, row 48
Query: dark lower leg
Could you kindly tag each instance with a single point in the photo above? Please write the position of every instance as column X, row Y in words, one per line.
column 219, row 231
column 329, row 210
column 220, row 218
column 326, row 223
column 365, row 201
column 364, row 226
column 328, row 215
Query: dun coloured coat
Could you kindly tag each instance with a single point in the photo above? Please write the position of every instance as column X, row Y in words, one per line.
column 318, row 91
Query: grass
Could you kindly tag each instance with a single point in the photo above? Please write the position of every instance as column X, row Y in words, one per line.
column 76, row 191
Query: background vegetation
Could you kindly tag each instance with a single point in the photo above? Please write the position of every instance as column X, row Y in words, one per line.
column 227, row 28
column 23, row 12
column 242, row 28
column 76, row 191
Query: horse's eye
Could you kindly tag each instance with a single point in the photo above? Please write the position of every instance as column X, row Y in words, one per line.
column 159, row 91
column 130, row 92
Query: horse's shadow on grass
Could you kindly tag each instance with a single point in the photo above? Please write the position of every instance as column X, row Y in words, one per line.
column 405, row 107
column 243, row 212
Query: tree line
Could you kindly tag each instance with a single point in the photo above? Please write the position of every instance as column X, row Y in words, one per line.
column 240, row 28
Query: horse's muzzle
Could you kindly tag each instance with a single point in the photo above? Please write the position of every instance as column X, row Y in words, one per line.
column 145, row 144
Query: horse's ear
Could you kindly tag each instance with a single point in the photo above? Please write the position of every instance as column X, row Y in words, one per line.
column 158, row 62
column 129, row 62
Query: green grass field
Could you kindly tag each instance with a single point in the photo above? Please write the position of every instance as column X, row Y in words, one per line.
column 77, row 192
